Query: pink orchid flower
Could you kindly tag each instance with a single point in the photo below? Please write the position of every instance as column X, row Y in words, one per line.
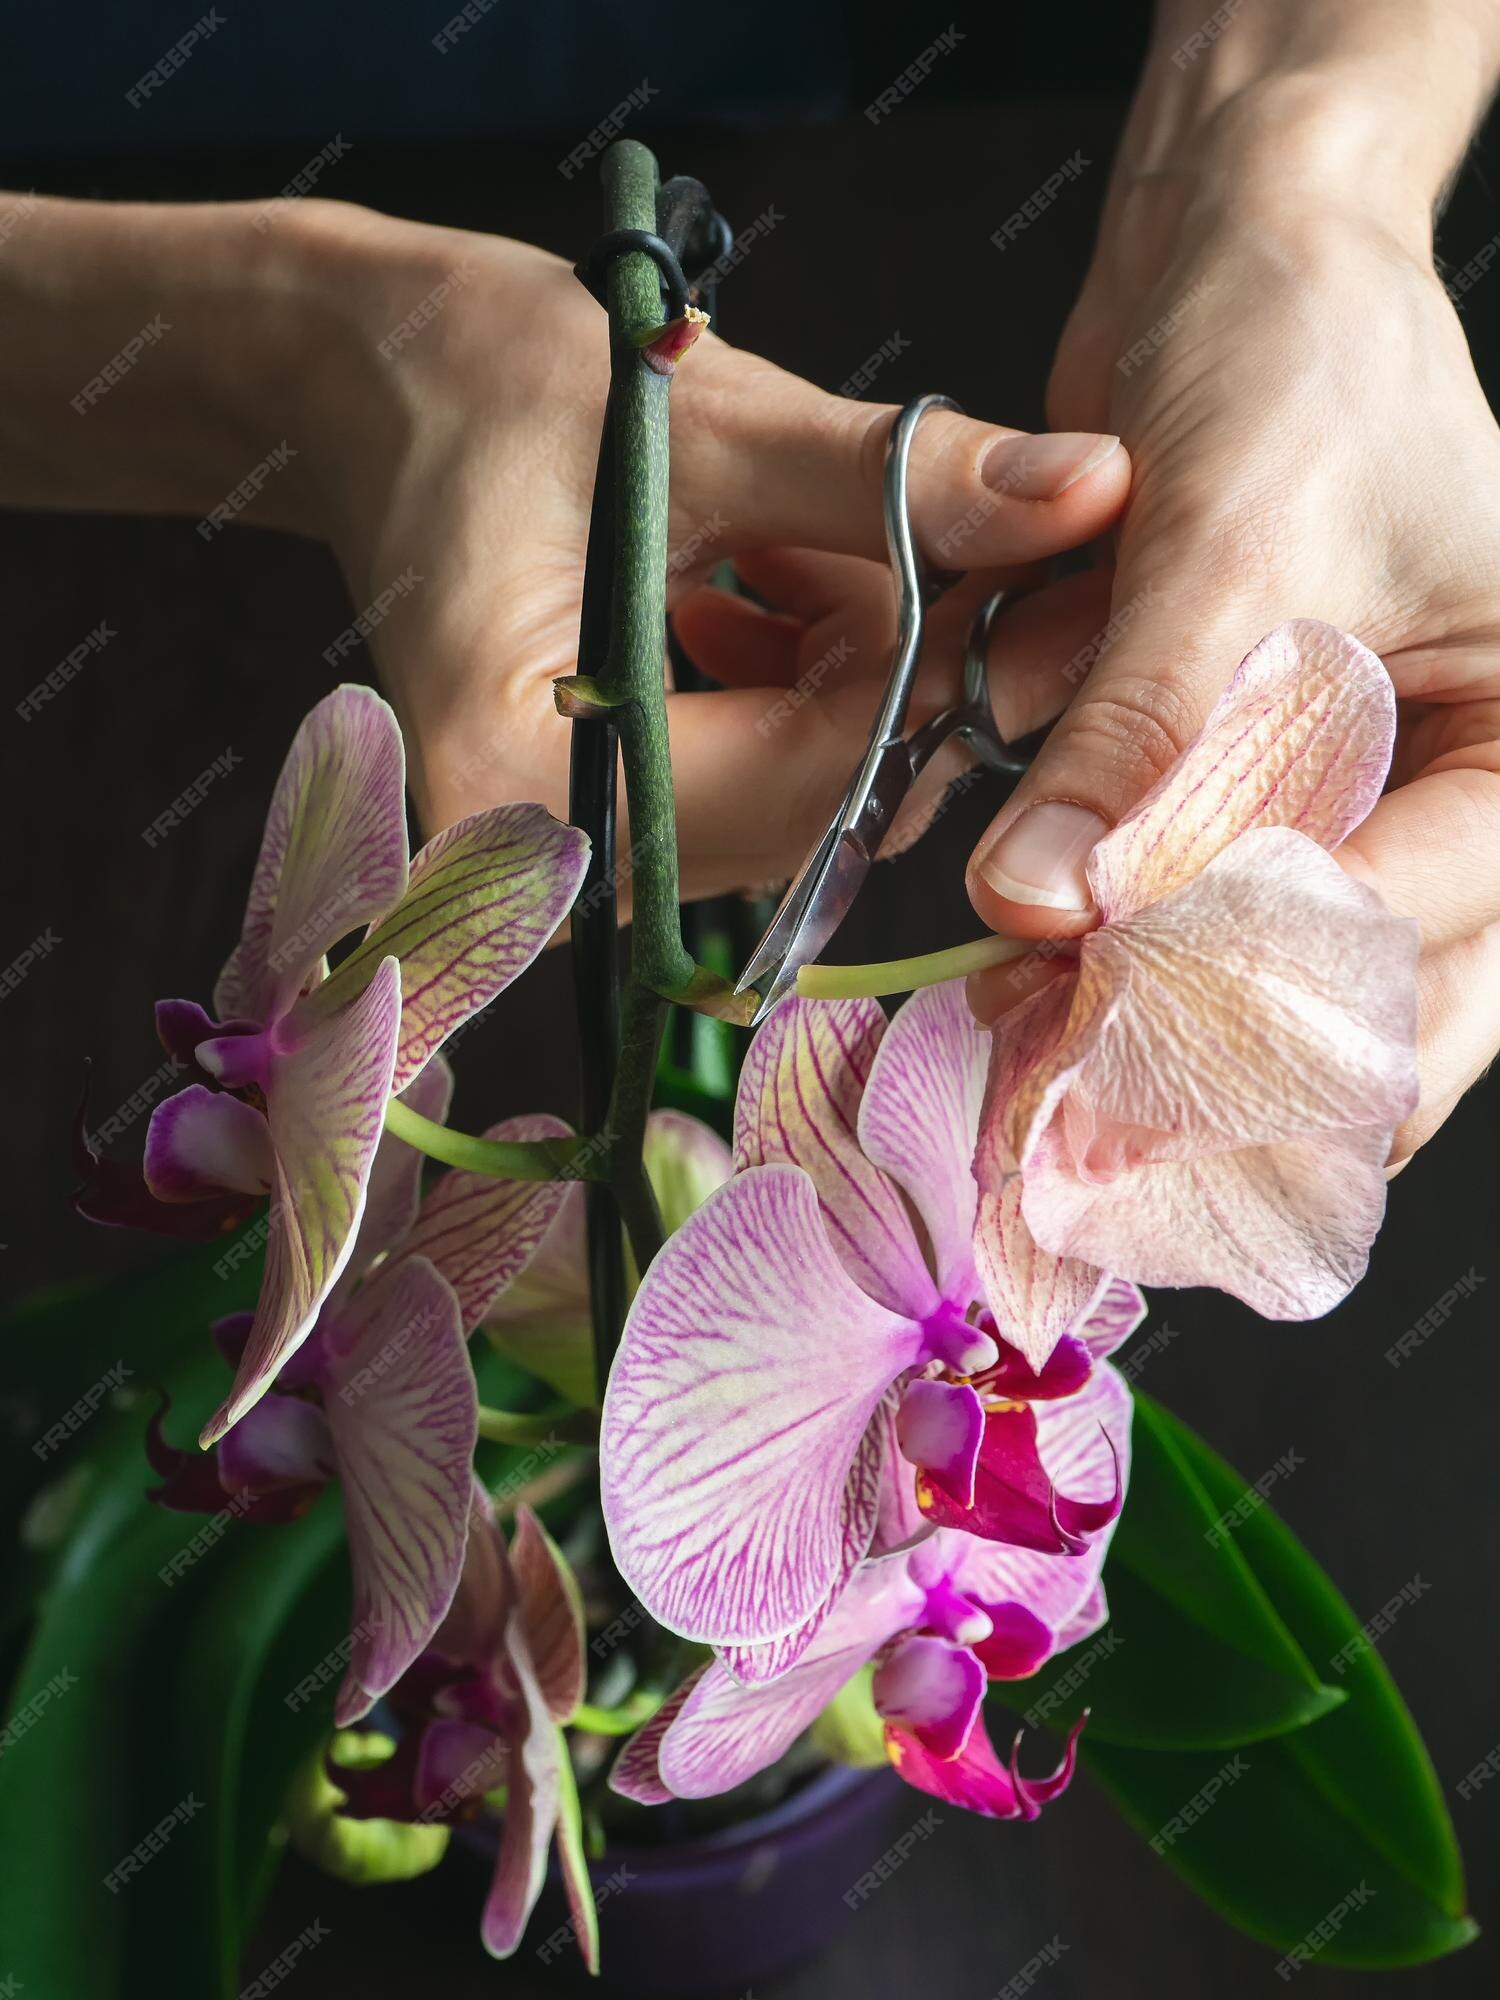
column 939, row 1622
column 297, row 1069
column 798, row 1334
column 483, row 1708
column 381, row 1396
column 1206, row 1092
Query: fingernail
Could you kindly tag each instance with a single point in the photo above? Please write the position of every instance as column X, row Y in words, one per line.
column 1041, row 467
column 1041, row 857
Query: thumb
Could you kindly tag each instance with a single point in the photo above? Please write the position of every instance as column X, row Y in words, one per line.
column 1145, row 686
column 787, row 464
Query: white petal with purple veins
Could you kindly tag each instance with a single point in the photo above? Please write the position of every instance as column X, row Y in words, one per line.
column 480, row 1232
column 484, row 898
column 401, row 1405
column 798, row 1101
column 920, row 1115
column 326, row 1110
column 333, row 856
column 749, row 1370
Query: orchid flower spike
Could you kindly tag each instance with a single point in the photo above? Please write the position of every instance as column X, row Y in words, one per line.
column 294, row 1074
column 1206, row 1090
column 798, row 1337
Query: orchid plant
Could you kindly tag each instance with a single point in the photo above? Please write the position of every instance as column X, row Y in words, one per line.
column 860, row 1441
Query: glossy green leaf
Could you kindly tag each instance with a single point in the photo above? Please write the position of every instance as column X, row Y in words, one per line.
column 82, row 1361
column 1330, row 1841
column 1155, row 1679
column 137, row 1765
column 1196, row 1655
column 208, row 1889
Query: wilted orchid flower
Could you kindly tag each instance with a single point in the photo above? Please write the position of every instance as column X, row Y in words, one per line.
column 1206, row 1092
column 482, row 1709
column 939, row 1622
column 300, row 1063
column 798, row 1319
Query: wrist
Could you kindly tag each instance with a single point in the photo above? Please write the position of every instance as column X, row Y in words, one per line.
column 1308, row 107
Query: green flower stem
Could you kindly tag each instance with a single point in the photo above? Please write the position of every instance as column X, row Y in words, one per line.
column 502, row 1159
column 632, row 680
column 561, row 1420
column 643, row 1016
column 905, row 975
column 621, row 1721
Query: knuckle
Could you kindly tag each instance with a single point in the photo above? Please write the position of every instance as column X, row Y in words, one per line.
column 1136, row 726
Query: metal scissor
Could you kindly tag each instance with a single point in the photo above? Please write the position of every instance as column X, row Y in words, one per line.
column 824, row 887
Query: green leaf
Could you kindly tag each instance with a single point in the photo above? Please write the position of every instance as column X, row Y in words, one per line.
column 1172, row 1539
column 1196, row 1655
column 1156, row 1680
column 76, row 1790
column 208, row 1889
column 1331, row 1840
column 67, row 1348
column 153, row 1730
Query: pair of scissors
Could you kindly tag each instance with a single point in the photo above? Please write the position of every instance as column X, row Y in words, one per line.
column 825, row 886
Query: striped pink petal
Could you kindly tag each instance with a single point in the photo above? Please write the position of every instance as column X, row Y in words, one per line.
column 1119, row 1311
column 750, row 1368
column 541, row 1317
column 725, row 1733
column 637, row 1771
column 919, row 1115
column 533, row 1800
column 551, row 1614
column 1301, row 738
column 1286, row 1228
column 1085, row 1621
column 798, row 1101
column 326, row 1108
column 480, row 1232
column 395, row 1190
column 333, row 856
column 1023, row 1043
column 400, row 1401
column 1036, row 1297
column 484, row 898
column 685, row 1161
column 1271, row 998
column 754, row 1665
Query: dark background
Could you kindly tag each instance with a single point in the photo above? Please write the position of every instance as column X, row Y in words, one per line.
column 886, row 229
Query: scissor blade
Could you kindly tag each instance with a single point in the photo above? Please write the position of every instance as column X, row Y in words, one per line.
column 782, row 928
column 820, row 913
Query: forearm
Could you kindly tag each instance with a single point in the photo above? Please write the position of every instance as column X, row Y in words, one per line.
column 155, row 356
column 1309, row 106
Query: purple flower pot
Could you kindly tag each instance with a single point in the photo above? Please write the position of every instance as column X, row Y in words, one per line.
column 710, row 1918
